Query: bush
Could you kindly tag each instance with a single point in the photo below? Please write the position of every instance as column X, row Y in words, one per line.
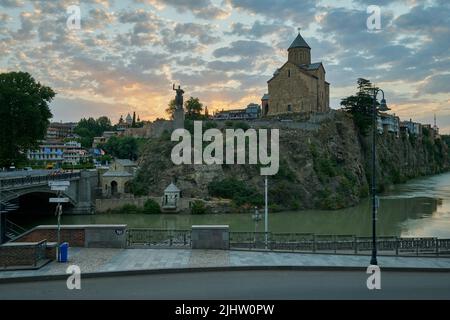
column 198, row 207
column 236, row 190
column 151, row 207
column 130, row 209
column 210, row 125
column 241, row 125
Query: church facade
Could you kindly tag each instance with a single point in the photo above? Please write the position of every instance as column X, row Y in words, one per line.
column 299, row 86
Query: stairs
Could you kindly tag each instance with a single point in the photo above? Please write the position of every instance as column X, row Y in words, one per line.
column 13, row 230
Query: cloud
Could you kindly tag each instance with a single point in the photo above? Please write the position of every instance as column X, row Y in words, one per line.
column 300, row 12
column 201, row 32
column 439, row 83
column 258, row 29
column 244, row 48
column 11, row 3
column 203, row 9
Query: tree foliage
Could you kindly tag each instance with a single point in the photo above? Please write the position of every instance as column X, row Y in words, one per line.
column 193, row 108
column 122, row 147
column 24, row 115
column 89, row 128
column 360, row 105
column 151, row 207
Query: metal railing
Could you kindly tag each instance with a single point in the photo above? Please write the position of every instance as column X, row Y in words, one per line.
column 13, row 230
column 297, row 242
column 23, row 255
column 158, row 238
column 350, row 244
column 11, row 183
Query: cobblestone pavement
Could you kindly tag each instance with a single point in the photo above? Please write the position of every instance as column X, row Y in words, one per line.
column 101, row 260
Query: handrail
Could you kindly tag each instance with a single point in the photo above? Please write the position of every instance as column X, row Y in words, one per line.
column 301, row 242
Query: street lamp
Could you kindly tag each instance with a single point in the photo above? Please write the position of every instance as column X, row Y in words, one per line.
column 256, row 217
column 375, row 109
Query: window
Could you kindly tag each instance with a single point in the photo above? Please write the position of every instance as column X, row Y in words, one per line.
column 289, row 73
column 289, row 108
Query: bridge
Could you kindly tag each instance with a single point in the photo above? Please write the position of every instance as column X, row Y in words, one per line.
column 16, row 184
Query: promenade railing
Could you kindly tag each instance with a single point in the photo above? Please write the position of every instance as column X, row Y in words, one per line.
column 298, row 242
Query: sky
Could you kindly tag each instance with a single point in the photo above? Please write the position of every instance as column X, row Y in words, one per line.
column 127, row 53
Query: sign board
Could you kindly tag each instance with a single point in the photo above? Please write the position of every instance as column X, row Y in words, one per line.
column 58, row 200
column 59, row 183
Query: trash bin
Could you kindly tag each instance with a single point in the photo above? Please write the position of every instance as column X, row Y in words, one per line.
column 63, row 252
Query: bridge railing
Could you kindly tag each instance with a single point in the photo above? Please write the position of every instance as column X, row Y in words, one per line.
column 298, row 242
column 11, row 183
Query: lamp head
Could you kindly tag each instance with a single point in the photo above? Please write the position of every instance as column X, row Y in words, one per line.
column 383, row 105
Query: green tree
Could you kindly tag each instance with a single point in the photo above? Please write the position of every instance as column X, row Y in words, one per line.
column 171, row 108
column 194, row 109
column 24, row 115
column 360, row 105
column 198, row 207
column 122, row 147
column 151, row 207
column 89, row 128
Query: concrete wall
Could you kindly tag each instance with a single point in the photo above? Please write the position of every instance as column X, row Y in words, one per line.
column 93, row 236
column 210, row 237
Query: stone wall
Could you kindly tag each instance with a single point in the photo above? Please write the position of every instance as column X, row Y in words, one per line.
column 73, row 235
column 102, row 205
column 25, row 254
column 101, row 236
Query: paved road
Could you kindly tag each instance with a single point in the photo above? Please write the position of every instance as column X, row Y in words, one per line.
column 241, row 285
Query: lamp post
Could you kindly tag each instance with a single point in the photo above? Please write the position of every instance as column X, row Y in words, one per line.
column 266, row 214
column 382, row 107
column 256, row 217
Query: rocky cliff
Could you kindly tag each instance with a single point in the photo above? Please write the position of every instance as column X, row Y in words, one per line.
column 323, row 166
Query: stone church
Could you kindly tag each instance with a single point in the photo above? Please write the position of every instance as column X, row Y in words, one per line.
column 299, row 85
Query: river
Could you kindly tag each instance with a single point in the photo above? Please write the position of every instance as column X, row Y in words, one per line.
column 420, row 207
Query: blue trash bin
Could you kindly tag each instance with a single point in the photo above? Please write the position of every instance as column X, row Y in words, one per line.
column 63, row 252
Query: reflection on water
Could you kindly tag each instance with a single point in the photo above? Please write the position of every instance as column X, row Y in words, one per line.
column 420, row 207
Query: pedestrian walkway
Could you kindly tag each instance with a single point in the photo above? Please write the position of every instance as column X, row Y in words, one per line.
column 91, row 260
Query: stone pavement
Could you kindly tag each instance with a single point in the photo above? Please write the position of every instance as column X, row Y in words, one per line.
column 91, row 260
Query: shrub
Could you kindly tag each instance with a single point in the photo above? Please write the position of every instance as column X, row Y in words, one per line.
column 241, row 125
column 198, row 207
column 151, row 207
column 210, row 125
column 129, row 209
column 236, row 190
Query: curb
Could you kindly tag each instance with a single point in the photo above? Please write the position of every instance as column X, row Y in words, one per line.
column 105, row 274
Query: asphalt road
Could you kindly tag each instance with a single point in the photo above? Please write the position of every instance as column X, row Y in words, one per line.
column 274, row 284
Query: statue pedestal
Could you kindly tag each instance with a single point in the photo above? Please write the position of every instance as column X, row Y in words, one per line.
column 178, row 118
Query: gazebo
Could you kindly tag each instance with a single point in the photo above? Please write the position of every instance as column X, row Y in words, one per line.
column 171, row 196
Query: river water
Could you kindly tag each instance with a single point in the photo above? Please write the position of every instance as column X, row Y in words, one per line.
column 420, row 207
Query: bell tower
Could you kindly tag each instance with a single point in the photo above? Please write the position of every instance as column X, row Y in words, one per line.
column 299, row 51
